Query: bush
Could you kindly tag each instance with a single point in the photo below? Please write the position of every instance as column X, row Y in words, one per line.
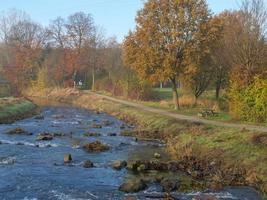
column 132, row 88
column 249, row 103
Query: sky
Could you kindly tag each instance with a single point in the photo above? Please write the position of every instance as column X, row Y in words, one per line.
column 116, row 17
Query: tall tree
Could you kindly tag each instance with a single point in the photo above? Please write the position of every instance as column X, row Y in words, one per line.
column 165, row 34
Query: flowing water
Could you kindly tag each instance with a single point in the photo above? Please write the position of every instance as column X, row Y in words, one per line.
column 31, row 169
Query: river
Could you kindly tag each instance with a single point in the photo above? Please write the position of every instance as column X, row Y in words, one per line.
column 31, row 169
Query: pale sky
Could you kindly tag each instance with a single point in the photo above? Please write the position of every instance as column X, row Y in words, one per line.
column 116, row 17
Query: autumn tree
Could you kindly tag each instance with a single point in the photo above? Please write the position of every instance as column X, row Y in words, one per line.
column 247, row 46
column 24, row 41
column 201, row 66
column 166, row 32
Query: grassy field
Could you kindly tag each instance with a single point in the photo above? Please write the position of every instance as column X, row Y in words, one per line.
column 14, row 108
column 206, row 101
column 236, row 153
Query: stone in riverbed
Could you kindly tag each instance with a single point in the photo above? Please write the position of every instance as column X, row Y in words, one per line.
column 141, row 168
column 123, row 126
column 118, row 164
column 157, row 155
column 67, row 158
column 58, row 134
column 204, row 197
column 96, row 126
column 107, row 123
column 18, row 131
column 88, row 164
column 112, row 134
column 130, row 198
column 169, row 185
column 39, row 117
column 133, row 185
column 96, row 146
column 58, row 116
column 91, row 134
column 45, row 137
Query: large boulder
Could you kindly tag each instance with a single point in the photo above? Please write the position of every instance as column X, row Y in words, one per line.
column 88, row 164
column 133, row 185
column 18, row 131
column 45, row 136
column 169, row 185
column 96, row 146
column 67, row 158
column 118, row 164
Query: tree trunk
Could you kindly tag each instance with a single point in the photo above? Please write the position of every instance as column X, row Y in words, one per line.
column 161, row 85
column 218, row 89
column 93, row 79
column 175, row 94
column 195, row 103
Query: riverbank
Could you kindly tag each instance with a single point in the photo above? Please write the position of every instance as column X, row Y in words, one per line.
column 222, row 156
column 12, row 109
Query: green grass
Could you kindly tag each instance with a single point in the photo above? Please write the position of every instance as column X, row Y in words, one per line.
column 235, row 147
column 12, row 107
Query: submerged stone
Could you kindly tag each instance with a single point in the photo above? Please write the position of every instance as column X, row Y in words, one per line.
column 133, row 185
column 97, row 126
column 112, row 134
column 107, row 123
column 39, row 117
column 169, row 185
column 18, row 131
column 91, row 134
column 88, row 164
column 118, row 164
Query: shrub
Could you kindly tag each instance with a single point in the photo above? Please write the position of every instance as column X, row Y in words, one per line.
column 132, row 88
column 249, row 103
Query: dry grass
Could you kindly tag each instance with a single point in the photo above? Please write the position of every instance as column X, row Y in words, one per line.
column 232, row 148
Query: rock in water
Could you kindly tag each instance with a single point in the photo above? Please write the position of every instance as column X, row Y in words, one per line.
column 130, row 198
column 45, row 136
column 67, row 158
column 141, row 168
column 39, row 117
column 96, row 146
column 91, row 134
column 118, row 165
column 112, row 134
column 18, row 131
column 88, row 164
column 157, row 155
column 169, row 185
column 132, row 186
column 107, row 123
column 97, row 126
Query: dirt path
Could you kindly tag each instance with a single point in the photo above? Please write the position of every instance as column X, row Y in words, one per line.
column 183, row 117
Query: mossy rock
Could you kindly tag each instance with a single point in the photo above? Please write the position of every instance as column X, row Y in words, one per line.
column 96, row 146
column 133, row 185
column 18, row 131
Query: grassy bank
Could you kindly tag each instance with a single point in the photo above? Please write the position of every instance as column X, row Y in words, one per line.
column 221, row 156
column 12, row 109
